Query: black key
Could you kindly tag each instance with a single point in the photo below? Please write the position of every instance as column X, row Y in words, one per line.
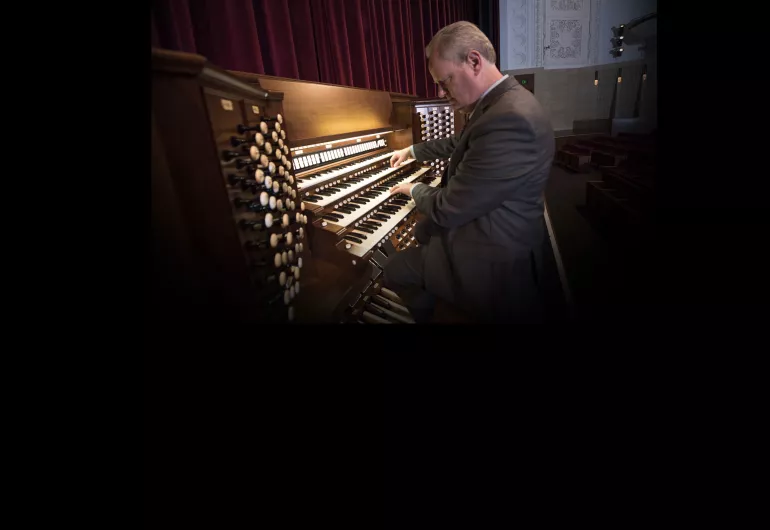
column 364, row 229
column 356, row 234
column 313, row 198
column 329, row 218
column 359, row 201
column 353, row 238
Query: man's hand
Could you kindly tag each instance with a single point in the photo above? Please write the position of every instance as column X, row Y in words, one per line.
column 399, row 157
column 406, row 189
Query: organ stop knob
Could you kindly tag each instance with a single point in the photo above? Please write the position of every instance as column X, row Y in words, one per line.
column 259, row 225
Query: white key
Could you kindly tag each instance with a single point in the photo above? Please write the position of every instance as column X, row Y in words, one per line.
column 373, row 203
column 363, row 184
column 305, row 182
column 372, row 240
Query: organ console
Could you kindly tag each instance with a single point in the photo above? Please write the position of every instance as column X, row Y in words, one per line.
column 262, row 185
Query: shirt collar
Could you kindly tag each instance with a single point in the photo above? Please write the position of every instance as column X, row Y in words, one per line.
column 485, row 93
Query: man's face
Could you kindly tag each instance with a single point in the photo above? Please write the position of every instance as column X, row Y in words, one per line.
column 455, row 81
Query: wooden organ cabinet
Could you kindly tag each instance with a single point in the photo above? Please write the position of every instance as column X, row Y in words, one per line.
column 271, row 196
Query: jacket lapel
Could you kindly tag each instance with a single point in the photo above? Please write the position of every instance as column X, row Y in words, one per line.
column 483, row 105
column 495, row 94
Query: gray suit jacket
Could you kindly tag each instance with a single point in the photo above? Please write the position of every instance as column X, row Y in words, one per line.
column 485, row 222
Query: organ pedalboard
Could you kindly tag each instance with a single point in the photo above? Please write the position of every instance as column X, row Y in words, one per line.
column 247, row 207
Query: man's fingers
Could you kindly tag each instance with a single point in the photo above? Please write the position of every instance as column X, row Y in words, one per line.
column 398, row 159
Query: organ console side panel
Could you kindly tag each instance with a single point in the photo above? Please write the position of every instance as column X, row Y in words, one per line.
column 402, row 113
column 175, row 287
column 226, row 227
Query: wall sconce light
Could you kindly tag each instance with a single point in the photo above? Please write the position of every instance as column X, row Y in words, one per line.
column 596, row 77
column 644, row 73
column 620, row 76
column 617, row 41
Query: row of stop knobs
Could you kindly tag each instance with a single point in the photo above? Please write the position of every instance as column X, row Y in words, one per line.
column 272, row 240
column 434, row 128
column 405, row 236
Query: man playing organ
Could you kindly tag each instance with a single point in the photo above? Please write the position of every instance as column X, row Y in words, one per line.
column 483, row 228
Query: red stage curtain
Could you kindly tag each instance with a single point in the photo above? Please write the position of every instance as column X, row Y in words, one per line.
column 378, row 44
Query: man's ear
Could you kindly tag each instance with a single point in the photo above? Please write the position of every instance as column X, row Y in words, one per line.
column 475, row 59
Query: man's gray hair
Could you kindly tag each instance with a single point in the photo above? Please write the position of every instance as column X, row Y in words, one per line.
column 454, row 41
